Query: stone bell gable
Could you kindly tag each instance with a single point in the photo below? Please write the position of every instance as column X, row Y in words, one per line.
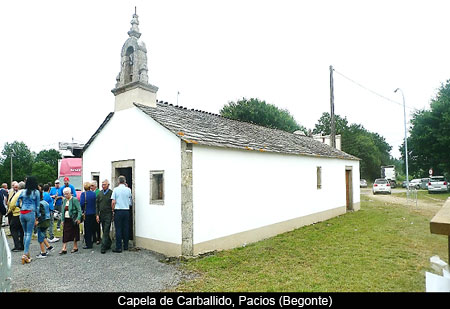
column 132, row 84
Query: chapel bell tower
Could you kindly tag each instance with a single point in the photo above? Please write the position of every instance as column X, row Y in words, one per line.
column 132, row 82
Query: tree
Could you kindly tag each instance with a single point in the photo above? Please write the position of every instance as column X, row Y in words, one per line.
column 323, row 125
column 262, row 113
column 22, row 159
column 367, row 146
column 44, row 165
column 371, row 148
column 49, row 157
column 44, row 173
column 429, row 140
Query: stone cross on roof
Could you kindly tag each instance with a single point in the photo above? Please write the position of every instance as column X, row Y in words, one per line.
column 133, row 57
column 133, row 72
column 134, row 31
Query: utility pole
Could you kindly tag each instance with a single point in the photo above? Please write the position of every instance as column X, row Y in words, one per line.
column 333, row 125
column 406, row 144
column 12, row 155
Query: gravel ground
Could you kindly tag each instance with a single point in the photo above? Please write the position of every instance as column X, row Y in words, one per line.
column 90, row 271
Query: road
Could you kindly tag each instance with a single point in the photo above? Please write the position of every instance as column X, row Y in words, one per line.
column 426, row 204
column 90, row 271
column 368, row 191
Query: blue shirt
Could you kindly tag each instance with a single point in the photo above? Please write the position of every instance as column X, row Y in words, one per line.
column 29, row 202
column 49, row 200
column 54, row 191
column 72, row 188
column 88, row 198
column 122, row 196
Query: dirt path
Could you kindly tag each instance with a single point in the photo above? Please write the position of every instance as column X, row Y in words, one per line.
column 428, row 206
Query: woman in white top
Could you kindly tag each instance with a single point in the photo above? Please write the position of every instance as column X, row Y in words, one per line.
column 72, row 218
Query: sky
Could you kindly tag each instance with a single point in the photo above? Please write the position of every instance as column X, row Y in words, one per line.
column 60, row 60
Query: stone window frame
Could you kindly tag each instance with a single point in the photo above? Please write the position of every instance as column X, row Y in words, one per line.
column 319, row 177
column 153, row 201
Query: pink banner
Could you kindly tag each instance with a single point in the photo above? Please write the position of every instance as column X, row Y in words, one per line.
column 70, row 167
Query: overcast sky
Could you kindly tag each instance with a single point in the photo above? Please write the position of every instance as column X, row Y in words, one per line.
column 60, row 60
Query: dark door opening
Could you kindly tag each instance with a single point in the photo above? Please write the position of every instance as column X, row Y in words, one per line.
column 128, row 173
column 348, row 190
column 97, row 179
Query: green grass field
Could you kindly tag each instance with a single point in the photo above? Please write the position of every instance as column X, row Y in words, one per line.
column 424, row 195
column 382, row 247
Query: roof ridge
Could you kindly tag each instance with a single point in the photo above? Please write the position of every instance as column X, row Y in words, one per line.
column 191, row 109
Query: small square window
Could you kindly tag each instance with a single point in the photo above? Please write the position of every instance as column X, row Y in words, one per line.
column 157, row 187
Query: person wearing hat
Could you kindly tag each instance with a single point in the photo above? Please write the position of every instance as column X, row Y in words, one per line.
column 57, row 197
column 68, row 185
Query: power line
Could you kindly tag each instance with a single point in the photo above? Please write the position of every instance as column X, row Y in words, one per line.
column 372, row 91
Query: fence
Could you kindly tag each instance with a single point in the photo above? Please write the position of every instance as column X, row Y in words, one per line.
column 5, row 264
column 411, row 196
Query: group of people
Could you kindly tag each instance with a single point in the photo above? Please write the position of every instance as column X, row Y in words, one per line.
column 31, row 207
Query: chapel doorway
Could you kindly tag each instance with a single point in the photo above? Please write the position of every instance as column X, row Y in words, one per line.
column 126, row 168
column 96, row 177
column 348, row 188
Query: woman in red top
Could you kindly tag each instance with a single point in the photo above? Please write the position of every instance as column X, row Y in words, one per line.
column 30, row 198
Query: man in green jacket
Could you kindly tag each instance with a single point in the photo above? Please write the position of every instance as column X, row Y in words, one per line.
column 105, row 214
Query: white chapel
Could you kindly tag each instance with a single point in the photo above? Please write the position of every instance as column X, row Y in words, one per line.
column 202, row 182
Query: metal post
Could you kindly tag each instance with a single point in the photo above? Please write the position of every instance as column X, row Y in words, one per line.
column 333, row 125
column 12, row 155
column 406, row 142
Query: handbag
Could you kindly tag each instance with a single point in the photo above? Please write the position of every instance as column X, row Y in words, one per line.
column 83, row 216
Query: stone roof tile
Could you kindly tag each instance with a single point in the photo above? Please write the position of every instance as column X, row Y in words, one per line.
column 204, row 128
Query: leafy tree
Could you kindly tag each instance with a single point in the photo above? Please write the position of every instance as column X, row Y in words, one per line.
column 429, row 140
column 262, row 113
column 44, row 173
column 44, row 165
column 371, row 148
column 49, row 157
column 22, row 159
column 323, row 125
column 357, row 141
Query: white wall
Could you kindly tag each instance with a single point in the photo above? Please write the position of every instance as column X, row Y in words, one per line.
column 238, row 190
column 131, row 134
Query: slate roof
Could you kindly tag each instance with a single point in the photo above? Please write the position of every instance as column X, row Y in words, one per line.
column 107, row 119
column 199, row 127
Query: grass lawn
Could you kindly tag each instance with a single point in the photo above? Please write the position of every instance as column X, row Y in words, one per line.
column 425, row 196
column 382, row 247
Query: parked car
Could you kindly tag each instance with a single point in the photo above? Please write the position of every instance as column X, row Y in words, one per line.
column 362, row 183
column 404, row 184
column 437, row 184
column 424, row 183
column 414, row 184
column 381, row 185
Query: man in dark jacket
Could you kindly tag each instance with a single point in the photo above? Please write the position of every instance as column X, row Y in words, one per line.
column 104, row 214
column 2, row 207
column 3, row 202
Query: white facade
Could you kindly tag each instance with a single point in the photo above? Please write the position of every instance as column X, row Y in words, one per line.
column 239, row 196
column 132, row 135
column 238, row 190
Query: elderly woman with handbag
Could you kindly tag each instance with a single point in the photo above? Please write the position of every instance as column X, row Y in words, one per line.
column 72, row 218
